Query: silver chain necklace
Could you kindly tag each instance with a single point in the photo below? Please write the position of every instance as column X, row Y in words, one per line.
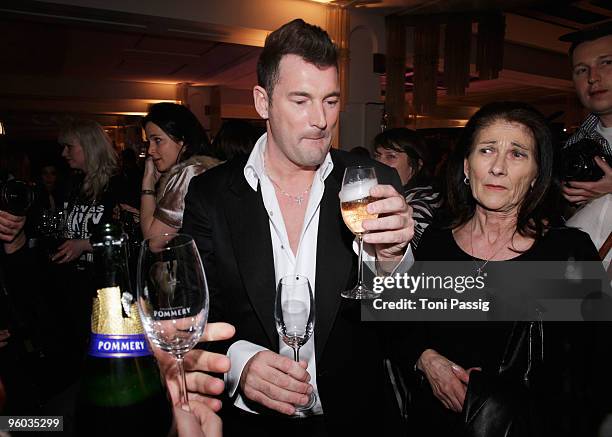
column 297, row 199
column 480, row 268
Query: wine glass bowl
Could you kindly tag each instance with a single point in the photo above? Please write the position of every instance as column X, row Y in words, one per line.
column 172, row 296
column 177, row 336
column 294, row 313
column 354, row 200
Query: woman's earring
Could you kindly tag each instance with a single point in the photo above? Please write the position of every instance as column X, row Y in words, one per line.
column 466, row 181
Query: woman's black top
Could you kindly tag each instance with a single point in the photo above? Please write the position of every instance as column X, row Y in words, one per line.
column 557, row 245
column 482, row 344
column 83, row 214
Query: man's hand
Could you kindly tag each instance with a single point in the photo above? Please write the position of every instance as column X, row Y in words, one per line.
column 70, row 250
column 276, row 382
column 10, row 226
column 394, row 227
column 578, row 192
column 199, row 385
column 201, row 421
column 448, row 380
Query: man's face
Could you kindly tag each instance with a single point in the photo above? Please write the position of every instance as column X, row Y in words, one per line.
column 592, row 74
column 302, row 112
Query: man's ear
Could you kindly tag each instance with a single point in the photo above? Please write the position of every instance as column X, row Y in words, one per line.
column 260, row 98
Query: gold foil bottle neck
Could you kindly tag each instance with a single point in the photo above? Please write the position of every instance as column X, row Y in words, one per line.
column 107, row 316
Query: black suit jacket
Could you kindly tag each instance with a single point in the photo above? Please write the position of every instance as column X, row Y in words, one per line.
column 231, row 228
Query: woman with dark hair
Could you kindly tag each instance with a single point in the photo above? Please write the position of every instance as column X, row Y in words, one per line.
column 406, row 151
column 177, row 145
column 503, row 206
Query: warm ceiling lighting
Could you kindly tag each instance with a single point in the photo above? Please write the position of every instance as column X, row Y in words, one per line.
column 2, row 131
column 322, row 1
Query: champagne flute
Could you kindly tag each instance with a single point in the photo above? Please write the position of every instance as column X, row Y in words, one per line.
column 172, row 297
column 295, row 315
column 354, row 200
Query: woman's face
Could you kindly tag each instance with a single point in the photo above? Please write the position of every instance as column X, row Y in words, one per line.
column 502, row 166
column 397, row 160
column 48, row 175
column 74, row 155
column 162, row 148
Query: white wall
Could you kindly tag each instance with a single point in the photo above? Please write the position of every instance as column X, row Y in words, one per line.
column 360, row 121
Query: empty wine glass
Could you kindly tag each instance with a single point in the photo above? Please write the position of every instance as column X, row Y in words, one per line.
column 172, row 297
column 294, row 312
column 354, row 200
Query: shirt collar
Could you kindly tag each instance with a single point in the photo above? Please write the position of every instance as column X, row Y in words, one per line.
column 254, row 169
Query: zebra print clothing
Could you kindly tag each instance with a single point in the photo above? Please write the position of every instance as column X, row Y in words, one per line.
column 424, row 201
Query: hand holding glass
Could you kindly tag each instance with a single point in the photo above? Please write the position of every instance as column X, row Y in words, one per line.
column 294, row 312
column 172, row 297
column 354, row 200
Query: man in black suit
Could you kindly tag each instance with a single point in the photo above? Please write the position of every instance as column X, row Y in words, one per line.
column 275, row 213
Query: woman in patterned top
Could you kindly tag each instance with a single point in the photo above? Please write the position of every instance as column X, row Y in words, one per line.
column 89, row 151
column 406, row 151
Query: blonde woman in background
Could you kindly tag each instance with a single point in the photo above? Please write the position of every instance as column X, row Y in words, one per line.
column 89, row 152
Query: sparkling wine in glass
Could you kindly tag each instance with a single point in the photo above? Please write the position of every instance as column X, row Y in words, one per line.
column 294, row 312
column 172, row 297
column 354, row 200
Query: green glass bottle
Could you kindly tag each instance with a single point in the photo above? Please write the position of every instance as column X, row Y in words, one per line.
column 121, row 391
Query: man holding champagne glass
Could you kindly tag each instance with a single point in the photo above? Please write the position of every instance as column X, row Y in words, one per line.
column 276, row 213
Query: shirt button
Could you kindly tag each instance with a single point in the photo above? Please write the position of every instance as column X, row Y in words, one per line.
column 282, row 247
column 271, row 214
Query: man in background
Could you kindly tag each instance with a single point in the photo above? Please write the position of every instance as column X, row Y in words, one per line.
column 591, row 59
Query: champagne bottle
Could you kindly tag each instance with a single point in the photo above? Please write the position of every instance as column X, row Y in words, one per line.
column 121, row 391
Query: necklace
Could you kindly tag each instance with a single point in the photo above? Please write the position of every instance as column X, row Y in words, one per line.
column 480, row 268
column 297, row 199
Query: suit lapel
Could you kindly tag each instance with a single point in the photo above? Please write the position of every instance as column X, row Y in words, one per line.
column 334, row 260
column 250, row 235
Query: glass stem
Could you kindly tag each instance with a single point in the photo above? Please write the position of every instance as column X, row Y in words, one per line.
column 183, row 401
column 359, row 269
column 296, row 354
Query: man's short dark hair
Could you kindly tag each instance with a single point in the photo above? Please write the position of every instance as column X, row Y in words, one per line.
column 297, row 37
column 589, row 34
